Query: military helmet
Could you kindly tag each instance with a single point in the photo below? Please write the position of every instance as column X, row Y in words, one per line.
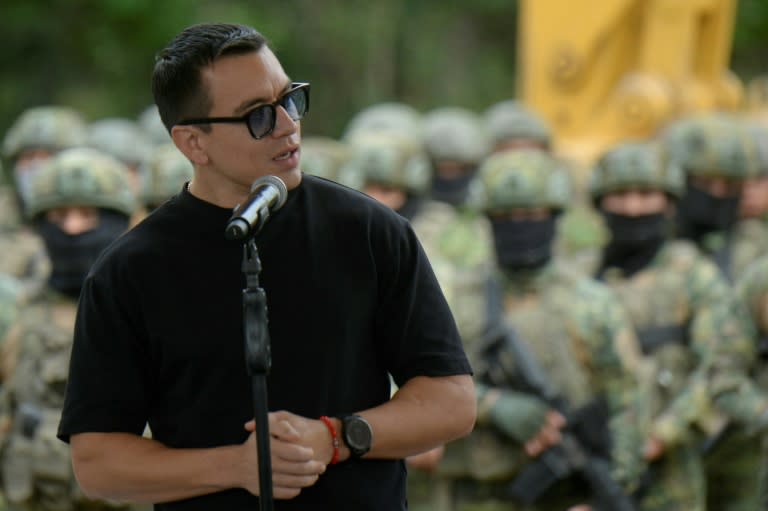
column 163, row 174
column 636, row 164
column 520, row 178
column 150, row 122
column 326, row 157
column 511, row 119
column 712, row 145
column 390, row 159
column 455, row 134
column 81, row 176
column 49, row 127
column 759, row 132
column 121, row 138
column 392, row 117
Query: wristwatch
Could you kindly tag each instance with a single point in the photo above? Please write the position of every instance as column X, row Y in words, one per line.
column 357, row 435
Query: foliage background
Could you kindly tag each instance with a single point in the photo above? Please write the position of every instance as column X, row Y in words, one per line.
column 97, row 55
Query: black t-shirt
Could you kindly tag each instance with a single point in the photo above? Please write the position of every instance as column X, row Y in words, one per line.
column 351, row 297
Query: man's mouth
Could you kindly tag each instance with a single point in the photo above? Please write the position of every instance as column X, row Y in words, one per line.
column 285, row 155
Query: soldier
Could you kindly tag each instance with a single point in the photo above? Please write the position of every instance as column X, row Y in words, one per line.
column 680, row 306
column 574, row 330
column 34, row 137
column 79, row 203
column 511, row 125
column 163, row 175
column 456, row 143
column 717, row 153
column 125, row 140
column 752, row 291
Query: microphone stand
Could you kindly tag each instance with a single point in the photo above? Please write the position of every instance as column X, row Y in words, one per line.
column 258, row 360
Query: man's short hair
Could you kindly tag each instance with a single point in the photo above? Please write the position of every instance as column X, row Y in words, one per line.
column 176, row 80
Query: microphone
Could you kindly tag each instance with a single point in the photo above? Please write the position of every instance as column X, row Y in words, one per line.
column 268, row 194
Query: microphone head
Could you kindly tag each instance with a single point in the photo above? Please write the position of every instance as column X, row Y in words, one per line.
column 282, row 190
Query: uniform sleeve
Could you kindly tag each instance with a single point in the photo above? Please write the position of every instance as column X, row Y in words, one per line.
column 108, row 385
column 414, row 325
column 620, row 372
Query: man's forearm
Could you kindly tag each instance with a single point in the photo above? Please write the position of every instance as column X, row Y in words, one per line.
column 125, row 467
column 423, row 414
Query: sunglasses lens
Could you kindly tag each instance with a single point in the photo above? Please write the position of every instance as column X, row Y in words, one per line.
column 295, row 103
column 261, row 120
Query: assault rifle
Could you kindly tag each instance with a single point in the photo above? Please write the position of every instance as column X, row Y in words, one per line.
column 582, row 451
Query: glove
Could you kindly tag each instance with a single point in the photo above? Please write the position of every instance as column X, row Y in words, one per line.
column 517, row 415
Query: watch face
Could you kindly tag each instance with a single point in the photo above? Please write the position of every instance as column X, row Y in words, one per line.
column 358, row 435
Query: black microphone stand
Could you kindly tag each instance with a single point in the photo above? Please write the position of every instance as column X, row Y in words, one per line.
column 258, row 360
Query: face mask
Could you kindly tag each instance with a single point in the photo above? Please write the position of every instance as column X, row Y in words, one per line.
column 635, row 230
column 451, row 190
column 23, row 174
column 73, row 255
column 523, row 244
column 702, row 212
column 410, row 208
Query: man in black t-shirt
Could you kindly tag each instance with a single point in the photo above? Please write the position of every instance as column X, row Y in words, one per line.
column 351, row 297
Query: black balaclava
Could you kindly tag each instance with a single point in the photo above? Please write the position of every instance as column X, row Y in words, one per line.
column 452, row 190
column 72, row 255
column 523, row 244
column 701, row 213
column 410, row 207
column 635, row 241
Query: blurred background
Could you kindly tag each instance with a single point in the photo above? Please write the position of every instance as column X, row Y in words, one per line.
column 97, row 55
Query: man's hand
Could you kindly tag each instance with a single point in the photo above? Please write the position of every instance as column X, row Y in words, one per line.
column 653, row 449
column 294, row 463
column 547, row 436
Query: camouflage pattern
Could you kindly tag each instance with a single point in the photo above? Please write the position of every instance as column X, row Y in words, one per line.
column 579, row 335
column 510, row 119
column 25, row 259
column 121, row 138
column 520, row 179
column 455, row 134
column 9, row 303
column 51, row 127
column 326, row 157
column 636, row 165
column 164, row 174
column 84, row 177
column 713, row 145
column 150, row 122
column 681, row 290
column 36, row 467
column 390, row 159
column 396, row 118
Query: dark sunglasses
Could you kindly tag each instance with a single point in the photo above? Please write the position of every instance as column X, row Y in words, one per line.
column 261, row 120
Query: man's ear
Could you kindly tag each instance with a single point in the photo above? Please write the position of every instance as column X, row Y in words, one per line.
column 189, row 140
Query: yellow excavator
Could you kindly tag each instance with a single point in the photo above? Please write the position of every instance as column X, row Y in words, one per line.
column 602, row 71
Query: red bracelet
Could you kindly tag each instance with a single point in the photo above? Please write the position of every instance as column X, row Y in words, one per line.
column 334, row 438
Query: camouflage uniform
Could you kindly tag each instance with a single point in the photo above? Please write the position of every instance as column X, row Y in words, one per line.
column 683, row 312
column 572, row 326
column 36, row 467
